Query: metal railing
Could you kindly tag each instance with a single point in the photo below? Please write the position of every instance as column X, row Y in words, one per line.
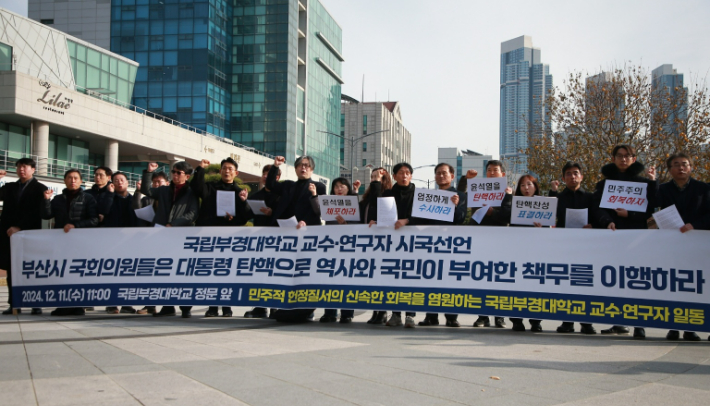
column 55, row 168
column 140, row 110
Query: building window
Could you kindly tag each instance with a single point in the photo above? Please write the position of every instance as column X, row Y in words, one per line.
column 364, row 162
column 364, row 147
column 47, row 21
column 364, row 124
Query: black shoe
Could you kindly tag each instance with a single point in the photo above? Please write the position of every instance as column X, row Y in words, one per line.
column 272, row 314
column 482, row 321
column 69, row 311
column 690, row 336
column 346, row 320
column 673, row 335
column 616, row 330
column 536, row 327
column 453, row 323
column 518, row 326
column 227, row 313
column 211, row 313
column 587, row 329
column 77, row 311
column 500, row 322
column 429, row 322
column 8, row 311
column 378, row 317
column 251, row 314
column 112, row 310
column 36, row 311
column 59, row 312
column 328, row 319
column 88, row 309
column 639, row 333
column 566, row 327
column 128, row 310
column 186, row 314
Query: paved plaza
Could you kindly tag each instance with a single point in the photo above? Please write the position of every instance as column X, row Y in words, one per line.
column 103, row 359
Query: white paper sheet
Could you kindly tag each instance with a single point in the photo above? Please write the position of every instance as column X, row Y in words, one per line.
column 386, row 212
column 147, row 213
column 158, row 226
column 576, row 218
column 479, row 214
column 668, row 218
column 256, row 206
column 288, row 223
column 225, row 202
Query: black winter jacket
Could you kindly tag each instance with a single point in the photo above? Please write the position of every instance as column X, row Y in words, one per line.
column 295, row 199
column 180, row 212
column 693, row 202
column 207, row 191
column 82, row 211
column 636, row 220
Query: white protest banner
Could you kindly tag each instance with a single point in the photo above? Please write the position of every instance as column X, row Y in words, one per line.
column 433, row 204
column 486, row 191
column 628, row 277
column 624, row 195
column 345, row 206
column 535, row 209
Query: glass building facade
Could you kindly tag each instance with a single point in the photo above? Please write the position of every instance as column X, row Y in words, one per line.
column 101, row 73
column 183, row 51
column 524, row 85
column 5, row 57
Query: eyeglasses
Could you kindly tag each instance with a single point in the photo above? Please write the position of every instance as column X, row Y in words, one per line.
column 176, row 172
column 442, row 173
column 304, row 165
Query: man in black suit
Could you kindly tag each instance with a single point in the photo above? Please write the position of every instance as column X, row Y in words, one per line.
column 300, row 199
column 22, row 210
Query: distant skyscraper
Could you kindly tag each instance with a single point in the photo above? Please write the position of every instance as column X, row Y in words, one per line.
column 525, row 83
column 669, row 83
column 604, row 94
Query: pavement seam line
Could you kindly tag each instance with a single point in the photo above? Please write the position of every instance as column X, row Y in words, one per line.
column 27, row 360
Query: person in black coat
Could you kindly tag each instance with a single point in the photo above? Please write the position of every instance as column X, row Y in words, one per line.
column 23, row 202
column 495, row 216
column 263, row 219
column 624, row 167
column 340, row 187
column 299, row 199
column 403, row 193
column 207, row 217
column 573, row 197
column 120, row 214
column 380, row 180
column 444, row 176
column 101, row 192
column 692, row 199
column 74, row 208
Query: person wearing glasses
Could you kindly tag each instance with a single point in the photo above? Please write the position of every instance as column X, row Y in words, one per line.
column 177, row 207
column 300, row 199
column 207, row 217
column 692, row 199
column 624, row 167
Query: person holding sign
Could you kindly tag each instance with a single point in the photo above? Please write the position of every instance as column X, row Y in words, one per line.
column 380, row 180
column 216, row 210
column 692, row 200
column 528, row 187
column 74, row 208
column 624, row 167
column 340, row 187
column 177, row 207
column 494, row 216
column 573, row 197
column 403, row 193
column 444, row 176
column 299, row 199
column 23, row 201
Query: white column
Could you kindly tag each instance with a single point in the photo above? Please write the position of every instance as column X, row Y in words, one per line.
column 40, row 145
column 111, row 155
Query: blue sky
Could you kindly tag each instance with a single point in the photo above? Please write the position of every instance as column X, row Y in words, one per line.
column 441, row 59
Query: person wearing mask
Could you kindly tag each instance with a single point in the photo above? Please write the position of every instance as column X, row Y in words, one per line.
column 207, row 217
column 624, row 167
column 72, row 209
column 177, row 207
column 444, row 176
column 23, row 202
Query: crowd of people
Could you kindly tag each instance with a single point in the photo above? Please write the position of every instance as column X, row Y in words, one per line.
column 176, row 202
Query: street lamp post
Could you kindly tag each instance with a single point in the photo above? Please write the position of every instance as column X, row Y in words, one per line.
column 424, row 180
column 352, row 140
column 424, row 166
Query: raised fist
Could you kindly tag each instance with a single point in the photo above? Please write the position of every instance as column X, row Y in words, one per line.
column 48, row 194
column 152, row 166
column 2, row 173
column 243, row 195
column 377, row 175
column 554, row 185
column 471, row 173
column 312, row 189
column 356, row 185
column 204, row 163
column 110, row 188
column 279, row 160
